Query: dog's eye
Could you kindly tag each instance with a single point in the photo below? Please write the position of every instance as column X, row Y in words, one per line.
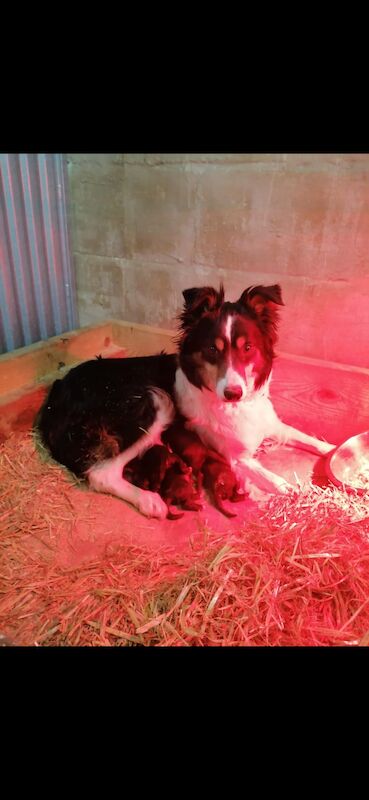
column 211, row 352
column 247, row 346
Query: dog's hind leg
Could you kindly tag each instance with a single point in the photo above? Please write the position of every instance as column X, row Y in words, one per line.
column 107, row 476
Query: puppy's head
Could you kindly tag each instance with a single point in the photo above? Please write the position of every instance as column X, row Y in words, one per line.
column 225, row 347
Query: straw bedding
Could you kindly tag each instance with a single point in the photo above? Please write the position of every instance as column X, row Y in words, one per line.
column 296, row 575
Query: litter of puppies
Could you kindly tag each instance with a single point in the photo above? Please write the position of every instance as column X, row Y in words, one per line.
column 180, row 468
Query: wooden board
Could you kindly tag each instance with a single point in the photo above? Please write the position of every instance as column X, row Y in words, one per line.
column 43, row 362
column 323, row 400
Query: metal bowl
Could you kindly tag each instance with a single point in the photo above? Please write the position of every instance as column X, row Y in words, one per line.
column 349, row 463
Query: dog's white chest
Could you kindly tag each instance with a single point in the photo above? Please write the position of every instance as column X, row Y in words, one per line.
column 230, row 427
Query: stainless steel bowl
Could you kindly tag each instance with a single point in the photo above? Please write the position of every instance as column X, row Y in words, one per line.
column 348, row 465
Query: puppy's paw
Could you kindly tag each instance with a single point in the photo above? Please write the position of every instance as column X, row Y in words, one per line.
column 173, row 513
column 151, row 505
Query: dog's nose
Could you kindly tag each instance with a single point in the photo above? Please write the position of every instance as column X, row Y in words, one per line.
column 233, row 393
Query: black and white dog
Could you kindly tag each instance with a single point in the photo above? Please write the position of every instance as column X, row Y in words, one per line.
column 106, row 412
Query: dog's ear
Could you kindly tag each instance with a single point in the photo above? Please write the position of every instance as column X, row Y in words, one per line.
column 264, row 302
column 262, row 298
column 190, row 295
column 199, row 302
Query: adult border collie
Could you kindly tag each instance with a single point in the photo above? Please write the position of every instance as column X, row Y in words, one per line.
column 105, row 412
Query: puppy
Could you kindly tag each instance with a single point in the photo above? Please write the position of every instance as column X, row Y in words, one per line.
column 178, row 489
column 149, row 472
column 190, row 447
column 222, row 484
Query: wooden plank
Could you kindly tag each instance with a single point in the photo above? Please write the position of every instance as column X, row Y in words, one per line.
column 44, row 361
column 27, row 366
column 143, row 339
column 317, row 362
column 323, row 401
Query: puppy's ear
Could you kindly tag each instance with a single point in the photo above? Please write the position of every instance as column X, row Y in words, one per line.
column 262, row 298
column 198, row 302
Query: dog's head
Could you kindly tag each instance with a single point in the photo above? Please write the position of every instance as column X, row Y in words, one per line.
column 225, row 347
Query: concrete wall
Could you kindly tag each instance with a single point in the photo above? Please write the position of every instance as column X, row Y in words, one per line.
column 144, row 227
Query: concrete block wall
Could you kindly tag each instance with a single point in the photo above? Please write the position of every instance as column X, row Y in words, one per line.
column 144, row 227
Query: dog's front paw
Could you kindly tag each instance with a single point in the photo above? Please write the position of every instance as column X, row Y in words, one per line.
column 151, row 505
column 287, row 488
column 326, row 447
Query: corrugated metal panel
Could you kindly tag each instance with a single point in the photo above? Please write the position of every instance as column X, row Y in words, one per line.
column 37, row 283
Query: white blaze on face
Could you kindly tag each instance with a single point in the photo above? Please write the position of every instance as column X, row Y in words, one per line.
column 228, row 328
column 233, row 376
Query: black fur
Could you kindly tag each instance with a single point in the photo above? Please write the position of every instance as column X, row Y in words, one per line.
column 100, row 408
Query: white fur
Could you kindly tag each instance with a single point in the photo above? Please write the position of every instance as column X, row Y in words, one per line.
column 237, row 429
column 106, row 476
column 228, row 328
column 234, row 428
column 233, row 378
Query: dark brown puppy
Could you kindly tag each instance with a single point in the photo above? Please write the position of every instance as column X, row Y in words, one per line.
column 178, row 489
column 148, row 472
column 159, row 466
column 190, row 448
column 222, row 484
